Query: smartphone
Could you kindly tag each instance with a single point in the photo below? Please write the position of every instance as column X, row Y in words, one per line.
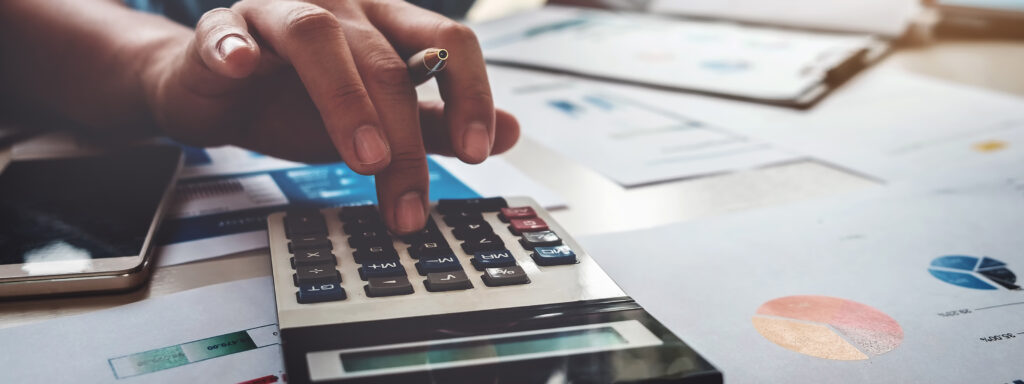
column 82, row 222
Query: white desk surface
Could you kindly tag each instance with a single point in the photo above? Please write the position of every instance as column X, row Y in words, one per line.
column 598, row 204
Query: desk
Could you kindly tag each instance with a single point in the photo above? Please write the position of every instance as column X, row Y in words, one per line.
column 598, row 204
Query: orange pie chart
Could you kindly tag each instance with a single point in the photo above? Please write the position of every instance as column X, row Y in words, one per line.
column 828, row 327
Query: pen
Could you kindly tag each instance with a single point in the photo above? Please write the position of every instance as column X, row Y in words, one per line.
column 426, row 63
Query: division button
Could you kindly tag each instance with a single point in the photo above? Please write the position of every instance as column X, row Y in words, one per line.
column 557, row 255
column 375, row 254
column 316, row 274
column 518, row 226
column 438, row 264
column 486, row 243
column 493, row 204
column 456, row 219
column 309, row 242
column 447, row 281
column 495, row 277
column 491, row 259
column 388, row 286
column 531, row 240
column 516, row 213
column 317, row 293
column 388, row 269
column 429, row 249
column 311, row 257
column 472, row 230
column 304, row 223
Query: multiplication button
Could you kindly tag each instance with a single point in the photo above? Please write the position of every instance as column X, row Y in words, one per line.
column 313, row 257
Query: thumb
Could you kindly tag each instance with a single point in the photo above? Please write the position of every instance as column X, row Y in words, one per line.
column 221, row 55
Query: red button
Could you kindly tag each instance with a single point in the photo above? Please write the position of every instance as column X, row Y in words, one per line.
column 517, row 213
column 527, row 225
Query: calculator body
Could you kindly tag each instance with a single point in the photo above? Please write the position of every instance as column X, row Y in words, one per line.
column 494, row 290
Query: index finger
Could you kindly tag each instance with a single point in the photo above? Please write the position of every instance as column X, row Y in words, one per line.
column 469, row 106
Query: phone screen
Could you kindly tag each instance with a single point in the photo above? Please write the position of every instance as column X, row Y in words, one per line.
column 76, row 208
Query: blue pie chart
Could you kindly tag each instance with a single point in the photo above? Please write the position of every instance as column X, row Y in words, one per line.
column 973, row 272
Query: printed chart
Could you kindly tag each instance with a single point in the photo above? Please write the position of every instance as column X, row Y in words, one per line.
column 973, row 272
column 828, row 327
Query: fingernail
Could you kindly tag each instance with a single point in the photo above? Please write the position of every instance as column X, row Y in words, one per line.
column 410, row 214
column 370, row 145
column 476, row 141
column 230, row 44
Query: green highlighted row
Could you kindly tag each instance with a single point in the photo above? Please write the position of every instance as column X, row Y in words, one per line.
column 181, row 354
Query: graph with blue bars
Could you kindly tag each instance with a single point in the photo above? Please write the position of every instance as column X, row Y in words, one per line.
column 974, row 272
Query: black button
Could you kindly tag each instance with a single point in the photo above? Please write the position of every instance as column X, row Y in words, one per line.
column 438, row 264
column 308, row 257
column 472, row 230
column 304, row 223
column 495, row 277
column 491, row 259
column 317, row 293
column 430, row 232
column 531, row 240
column 493, row 204
column 447, row 281
column 429, row 249
column 363, row 224
column 359, row 211
column 481, row 244
column 315, row 275
column 461, row 218
column 387, row 286
column 309, row 242
column 376, row 254
column 368, row 239
column 385, row 269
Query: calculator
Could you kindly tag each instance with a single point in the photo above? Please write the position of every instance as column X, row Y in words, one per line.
column 492, row 290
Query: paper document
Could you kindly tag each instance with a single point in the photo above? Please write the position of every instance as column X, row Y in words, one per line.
column 627, row 139
column 883, row 17
column 716, row 57
column 225, row 333
column 894, row 285
column 221, row 204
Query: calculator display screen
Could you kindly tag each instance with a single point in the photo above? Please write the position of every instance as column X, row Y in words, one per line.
column 77, row 209
column 530, row 344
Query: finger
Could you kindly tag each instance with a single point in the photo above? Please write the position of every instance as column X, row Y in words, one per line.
column 221, row 52
column 402, row 188
column 469, row 107
column 435, row 130
column 312, row 40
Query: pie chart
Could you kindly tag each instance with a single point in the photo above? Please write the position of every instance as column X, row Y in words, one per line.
column 973, row 272
column 827, row 327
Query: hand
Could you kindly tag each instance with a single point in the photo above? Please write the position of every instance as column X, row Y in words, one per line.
column 312, row 80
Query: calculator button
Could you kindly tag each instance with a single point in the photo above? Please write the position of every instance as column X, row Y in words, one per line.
column 298, row 224
column 388, row 286
column 491, row 259
column 472, row 230
column 447, row 281
column 518, row 226
column 358, row 211
column 315, row 275
column 368, row 239
column 309, row 242
column 516, row 213
column 363, row 224
column 531, row 240
column 495, row 277
column 375, row 254
column 317, row 293
column 438, row 264
column 430, row 232
column 388, row 269
column 486, row 243
column 461, row 218
column 313, row 257
column 559, row 255
column 429, row 249
column 493, row 204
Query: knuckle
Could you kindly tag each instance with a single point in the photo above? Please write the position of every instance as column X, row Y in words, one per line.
column 214, row 14
column 407, row 157
column 388, row 71
column 480, row 95
column 449, row 30
column 307, row 20
column 348, row 95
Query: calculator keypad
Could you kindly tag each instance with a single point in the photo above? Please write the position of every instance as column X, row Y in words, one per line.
column 383, row 268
